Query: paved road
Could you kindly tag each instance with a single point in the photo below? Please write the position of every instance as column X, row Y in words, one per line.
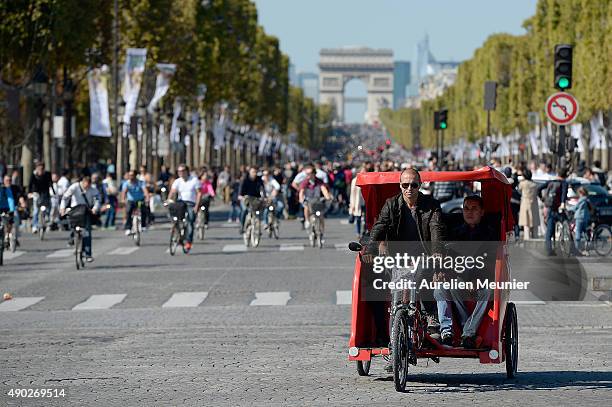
column 267, row 326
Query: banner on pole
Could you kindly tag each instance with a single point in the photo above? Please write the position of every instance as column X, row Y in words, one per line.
column 162, row 84
column 134, row 72
column 175, row 131
column 99, row 118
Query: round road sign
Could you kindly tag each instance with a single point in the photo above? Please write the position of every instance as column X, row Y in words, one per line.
column 562, row 108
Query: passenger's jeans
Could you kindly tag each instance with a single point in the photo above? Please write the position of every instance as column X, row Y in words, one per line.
column 581, row 227
column 190, row 220
column 551, row 219
column 470, row 323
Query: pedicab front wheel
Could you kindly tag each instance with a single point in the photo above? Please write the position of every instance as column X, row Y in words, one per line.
column 400, row 349
column 511, row 341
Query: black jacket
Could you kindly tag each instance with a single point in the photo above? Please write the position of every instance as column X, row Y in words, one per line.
column 431, row 228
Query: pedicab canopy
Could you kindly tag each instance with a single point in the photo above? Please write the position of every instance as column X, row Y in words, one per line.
column 496, row 190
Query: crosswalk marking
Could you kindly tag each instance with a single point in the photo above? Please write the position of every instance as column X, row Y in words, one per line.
column 271, row 298
column 186, row 299
column 341, row 246
column 229, row 225
column 61, row 253
column 291, row 247
column 19, row 303
column 123, row 251
column 13, row 255
column 344, row 222
column 530, row 302
column 344, row 297
column 103, row 301
column 234, row 248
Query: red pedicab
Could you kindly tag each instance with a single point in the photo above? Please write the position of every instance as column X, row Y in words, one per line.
column 499, row 327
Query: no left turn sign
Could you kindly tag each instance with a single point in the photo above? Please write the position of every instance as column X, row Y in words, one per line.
column 562, row 108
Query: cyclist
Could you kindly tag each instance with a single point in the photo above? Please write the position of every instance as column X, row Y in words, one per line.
column 7, row 202
column 207, row 194
column 252, row 185
column 311, row 189
column 82, row 193
column 134, row 191
column 273, row 191
column 39, row 187
column 187, row 188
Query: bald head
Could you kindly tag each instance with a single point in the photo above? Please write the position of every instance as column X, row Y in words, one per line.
column 413, row 172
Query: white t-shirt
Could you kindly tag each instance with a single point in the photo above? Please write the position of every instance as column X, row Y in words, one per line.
column 186, row 190
column 322, row 175
column 271, row 185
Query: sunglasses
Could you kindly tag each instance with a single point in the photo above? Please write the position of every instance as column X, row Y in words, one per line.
column 413, row 185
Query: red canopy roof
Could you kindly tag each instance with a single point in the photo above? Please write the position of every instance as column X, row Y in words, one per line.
column 481, row 174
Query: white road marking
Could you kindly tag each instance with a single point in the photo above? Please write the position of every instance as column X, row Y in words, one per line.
column 272, row 298
column 230, row 225
column 583, row 304
column 12, row 255
column 186, row 299
column 19, row 303
column 291, row 247
column 61, row 253
column 102, row 301
column 344, row 297
column 342, row 246
column 344, row 221
column 535, row 302
column 234, row 248
column 123, row 251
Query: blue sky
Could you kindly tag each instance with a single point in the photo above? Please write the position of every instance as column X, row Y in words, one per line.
column 455, row 27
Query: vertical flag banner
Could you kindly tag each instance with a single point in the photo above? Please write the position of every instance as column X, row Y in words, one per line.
column 99, row 118
column 535, row 148
column 162, row 84
column 175, row 131
column 134, row 72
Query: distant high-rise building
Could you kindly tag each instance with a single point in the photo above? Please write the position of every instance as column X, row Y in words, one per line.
column 426, row 66
column 293, row 79
column 401, row 79
column 309, row 82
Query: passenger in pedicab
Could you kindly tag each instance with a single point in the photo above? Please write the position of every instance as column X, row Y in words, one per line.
column 477, row 234
column 408, row 221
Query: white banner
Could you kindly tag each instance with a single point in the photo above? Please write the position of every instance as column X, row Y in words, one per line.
column 544, row 140
column 162, row 84
column 58, row 127
column 219, row 133
column 134, row 72
column 99, row 118
column 163, row 145
column 576, row 132
column 533, row 139
column 597, row 132
column 175, row 131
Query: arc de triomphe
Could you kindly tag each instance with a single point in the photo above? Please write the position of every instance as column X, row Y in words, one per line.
column 373, row 66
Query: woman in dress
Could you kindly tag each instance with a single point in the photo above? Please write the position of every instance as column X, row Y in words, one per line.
column 529, row 214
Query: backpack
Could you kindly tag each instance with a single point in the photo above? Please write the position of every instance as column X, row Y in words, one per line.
column 552, row 195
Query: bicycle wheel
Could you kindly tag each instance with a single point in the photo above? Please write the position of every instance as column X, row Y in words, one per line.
column 174, row 239
column 41, row 225
column 200, row 225
column 275, row 230
column 602, row 240
column 136, row 230
column 256, row 233
column 247, row 232
column 565, row 241
column 400, row 349
column 12, row 242
column 1, row 246
column 78, row 248
column 511, row 341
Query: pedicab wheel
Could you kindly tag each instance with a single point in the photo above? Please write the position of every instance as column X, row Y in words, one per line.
column 511, row 341
column 363, row 367
column 174, row 239
column 400, row 350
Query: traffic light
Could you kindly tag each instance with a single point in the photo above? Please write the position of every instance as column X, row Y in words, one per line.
column 563, row 66
column 443, row 119
column 436, row 120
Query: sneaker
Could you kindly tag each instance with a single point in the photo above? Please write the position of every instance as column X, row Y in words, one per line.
column 468, row 342
column 206, row 226
column 144, row 229
column 306, row 224
column 447, row 339
column 128, row 232
column 89, row 259
column 187, row 246
column 229, row 221
column 34, row 231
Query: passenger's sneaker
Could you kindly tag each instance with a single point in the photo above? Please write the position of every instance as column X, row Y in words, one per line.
column 89, row 259
column 447, row 339
column 468, row 342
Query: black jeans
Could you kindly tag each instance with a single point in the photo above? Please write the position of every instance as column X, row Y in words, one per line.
column 132, row 205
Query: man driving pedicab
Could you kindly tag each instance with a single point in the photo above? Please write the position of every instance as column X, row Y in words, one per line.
column 474, row 237
column 410, row 221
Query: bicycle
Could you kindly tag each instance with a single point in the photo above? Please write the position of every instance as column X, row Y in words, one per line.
column 252, row 224
column 43, row 213
column 136, row 230
column 78, row 225
column 200, row 223
column 315, row 231
column 8, row 240
column 596, row 238
column 178, row 232
column 273, row 222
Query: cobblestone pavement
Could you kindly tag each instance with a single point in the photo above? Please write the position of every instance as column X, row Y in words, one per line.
column 223, row 349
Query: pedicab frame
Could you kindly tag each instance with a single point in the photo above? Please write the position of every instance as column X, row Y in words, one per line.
column 496, row 192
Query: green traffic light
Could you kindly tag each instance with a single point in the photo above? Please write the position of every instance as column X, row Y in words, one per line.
column 563, row 83
column 443, row 125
